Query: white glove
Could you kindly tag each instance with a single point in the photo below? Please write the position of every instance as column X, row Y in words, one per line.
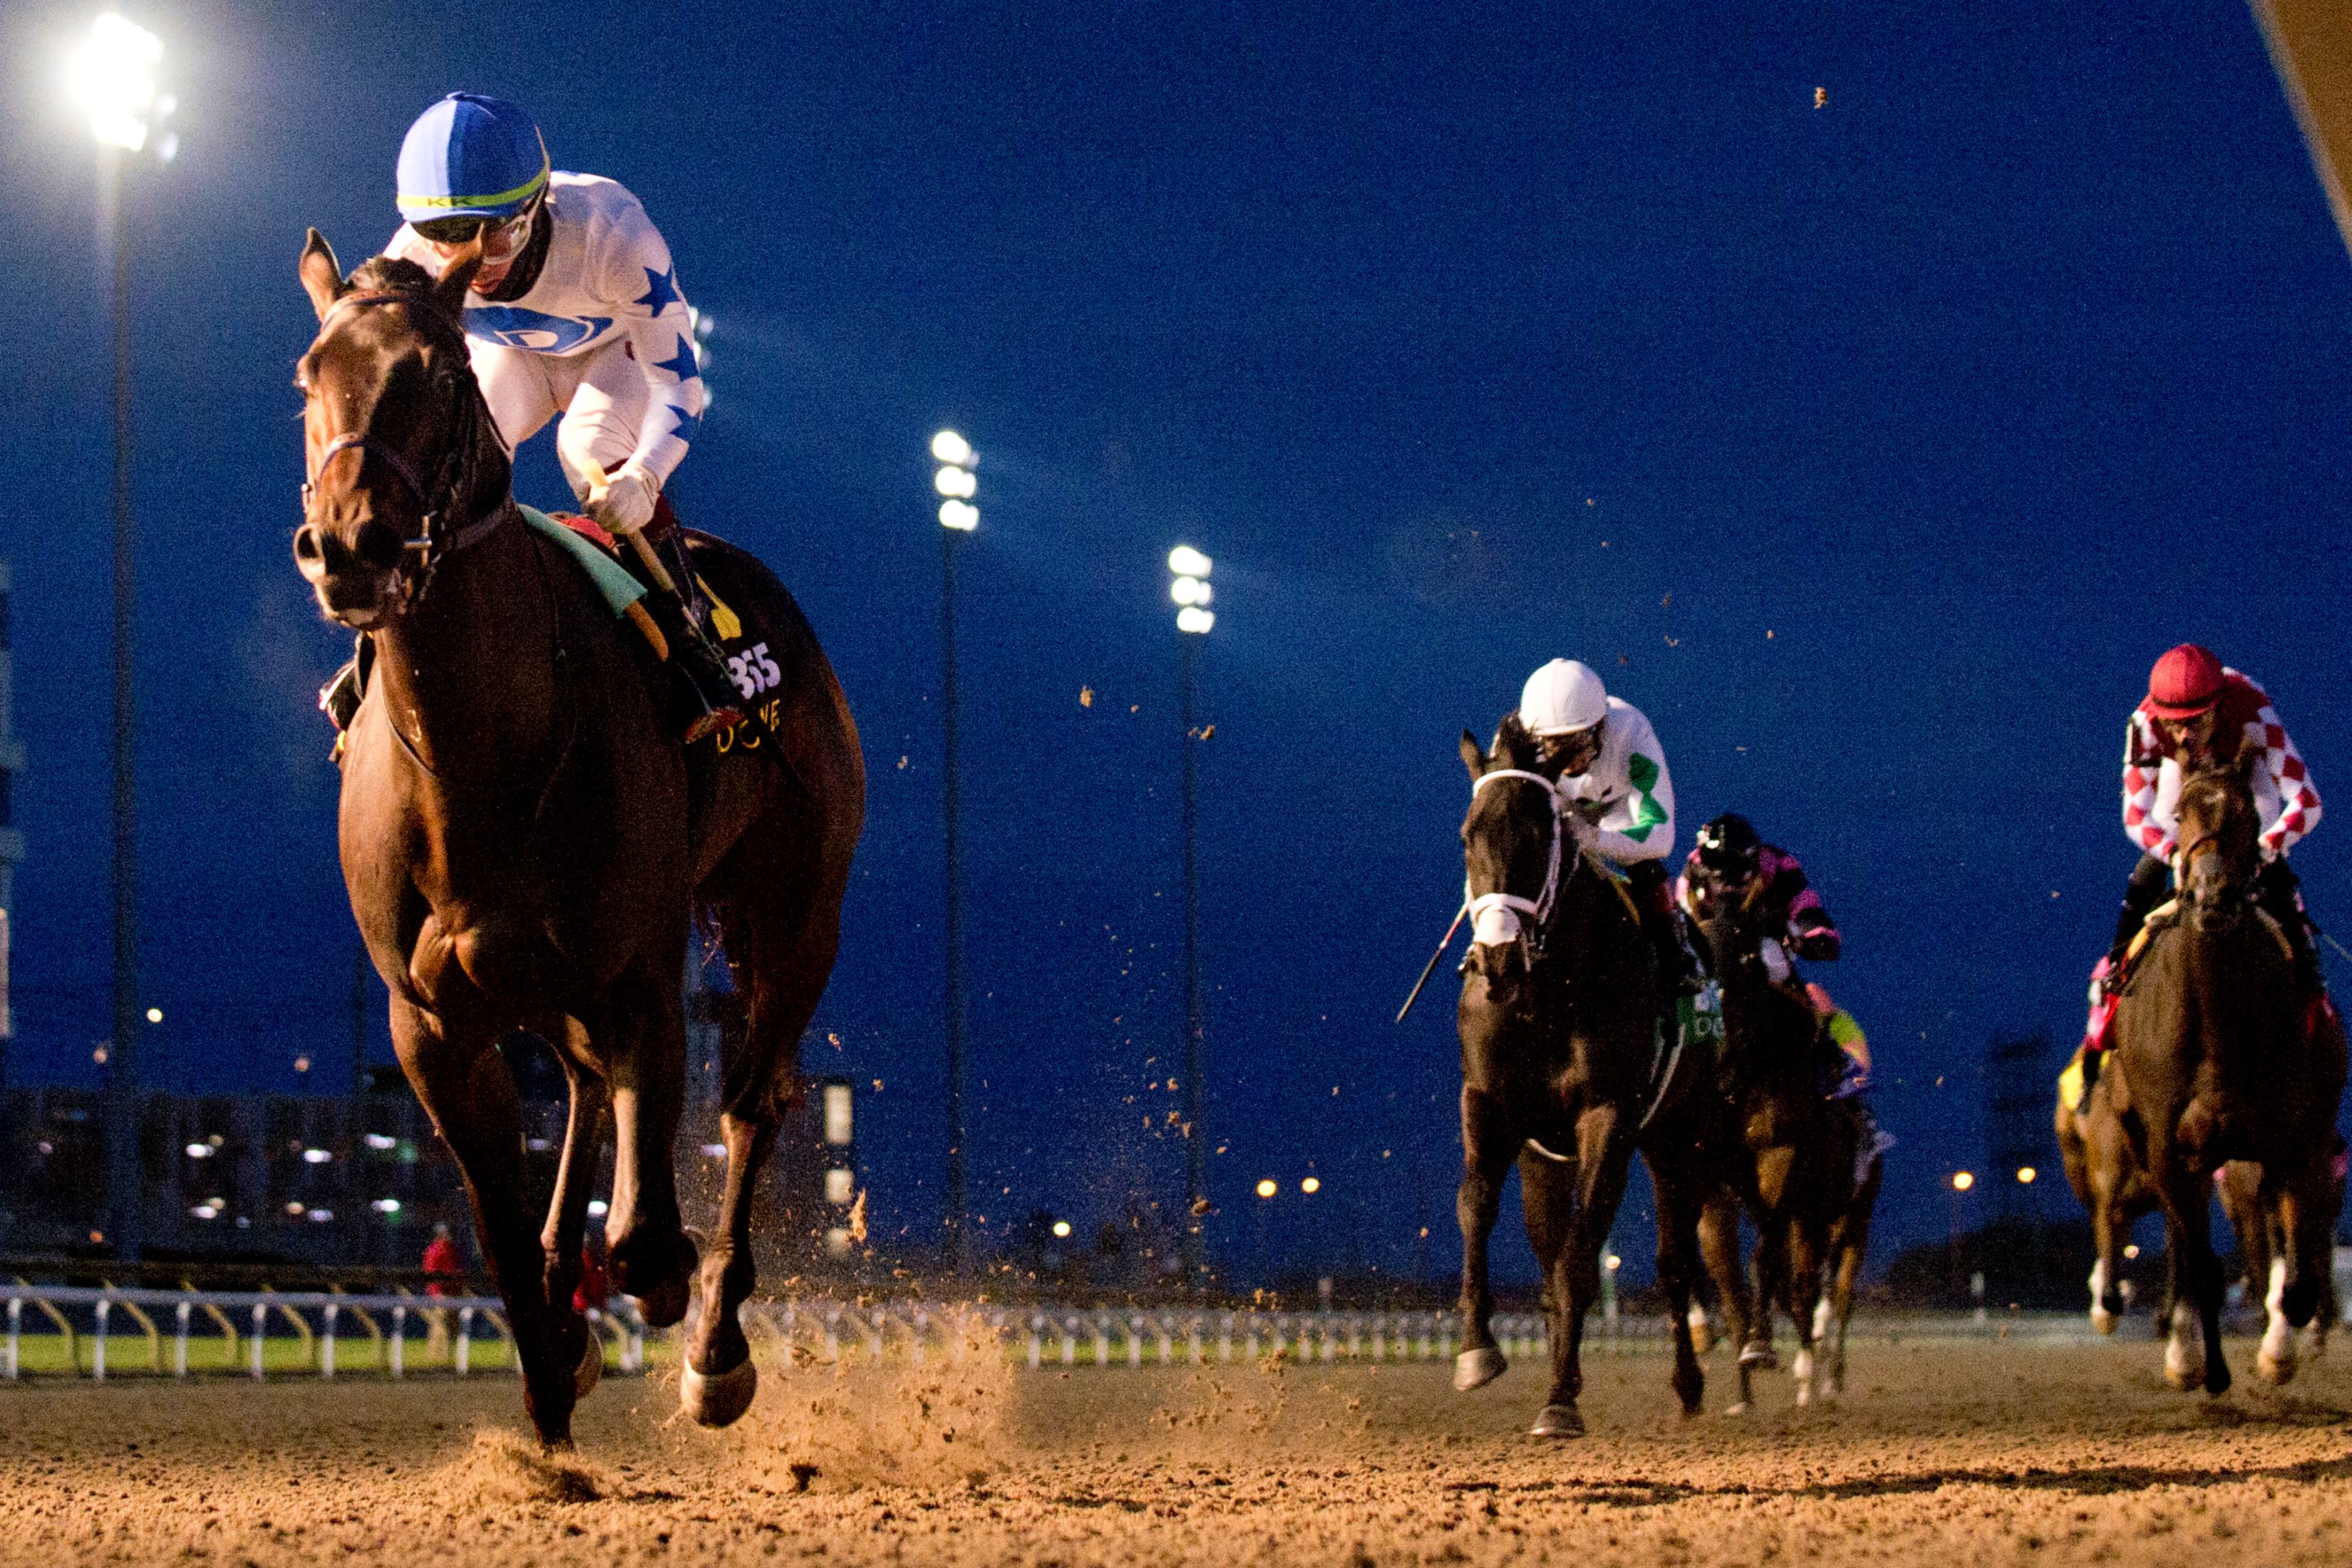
column 626, row 503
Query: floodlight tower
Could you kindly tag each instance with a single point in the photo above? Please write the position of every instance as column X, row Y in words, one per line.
column 1189, row 587
column 955, row 483
column 111, row 79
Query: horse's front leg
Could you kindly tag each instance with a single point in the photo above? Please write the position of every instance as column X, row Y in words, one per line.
column 2185, row 1194
column 452, row 1060
column 1489, row 1144
column 1678, row 1199
column 565, row 1236
column 1807, row 1246
column 1718, row 1242
column 1604, row 1151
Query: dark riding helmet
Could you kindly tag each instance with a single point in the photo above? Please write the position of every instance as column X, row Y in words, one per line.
column 1728, row 846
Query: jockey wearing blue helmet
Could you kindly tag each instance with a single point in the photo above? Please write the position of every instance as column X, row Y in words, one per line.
column 574, row 315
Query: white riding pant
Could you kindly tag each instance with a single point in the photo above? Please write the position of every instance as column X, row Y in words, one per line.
column 601, row 395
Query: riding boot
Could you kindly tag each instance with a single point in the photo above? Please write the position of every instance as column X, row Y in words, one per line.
column 709, row 697
column 2279, row 893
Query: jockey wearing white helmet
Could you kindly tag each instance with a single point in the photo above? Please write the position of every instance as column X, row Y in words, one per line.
column 574, row 312
column 1607, row 765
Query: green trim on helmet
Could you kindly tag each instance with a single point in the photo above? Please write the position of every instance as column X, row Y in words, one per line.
column 450, row 205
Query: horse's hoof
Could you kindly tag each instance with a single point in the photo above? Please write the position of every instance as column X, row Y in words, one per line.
column 2275, row 1369
column 1737, row 1407
column 1557, row 1421
column 664, row 1305
column 1477, row 1368
column 591, row 1369
column 1756, row 1355
column 2182, row 1373
column 2103, row 1320
column 720, row 1398
column 2217, row 1377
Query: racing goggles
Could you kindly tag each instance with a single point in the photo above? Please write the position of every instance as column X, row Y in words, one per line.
column 500, row 242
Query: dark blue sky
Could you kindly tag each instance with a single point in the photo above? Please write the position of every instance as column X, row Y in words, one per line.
column 1460, row 338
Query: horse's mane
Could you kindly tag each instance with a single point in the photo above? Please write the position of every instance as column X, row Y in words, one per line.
column 1512, row 740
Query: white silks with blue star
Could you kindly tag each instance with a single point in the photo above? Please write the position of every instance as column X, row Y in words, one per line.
column 606, row 301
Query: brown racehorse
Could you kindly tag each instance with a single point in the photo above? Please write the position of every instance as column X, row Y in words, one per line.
column 523, row 836
column 2106, row 1177
column 2217, row 1057
column 1796, row 1158
column 2255, row 1214
column 1565, row 1070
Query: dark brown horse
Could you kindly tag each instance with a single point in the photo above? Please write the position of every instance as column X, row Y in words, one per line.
column 1566, row 1071
column 523, row 836
column 2217, row 1058
column 1796, row 1158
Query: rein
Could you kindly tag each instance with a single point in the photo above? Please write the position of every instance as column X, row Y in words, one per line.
column 434, row 541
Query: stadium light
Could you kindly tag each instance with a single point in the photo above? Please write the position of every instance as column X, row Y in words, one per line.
column 1267, row 1187
column 111, row 81
column 956, row 483
column 1312, row 1184
column 1061, row 1228
column 1962, row 1181
column 2025, row 1174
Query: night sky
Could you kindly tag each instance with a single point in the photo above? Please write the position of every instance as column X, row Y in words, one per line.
column 1872, row 449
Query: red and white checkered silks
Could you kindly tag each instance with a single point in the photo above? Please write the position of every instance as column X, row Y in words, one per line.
column 2250, row 734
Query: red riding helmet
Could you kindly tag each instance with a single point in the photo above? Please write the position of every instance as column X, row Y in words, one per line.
column 2185, row 682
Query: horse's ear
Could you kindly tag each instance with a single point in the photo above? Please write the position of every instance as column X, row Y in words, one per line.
column 1473, row 755
column 322, row 276
column 449, row 291
column 1513, row 741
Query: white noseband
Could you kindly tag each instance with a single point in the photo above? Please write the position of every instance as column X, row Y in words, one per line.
column 1497, row 918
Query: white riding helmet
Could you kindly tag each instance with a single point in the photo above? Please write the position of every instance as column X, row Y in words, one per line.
column 1562, row 698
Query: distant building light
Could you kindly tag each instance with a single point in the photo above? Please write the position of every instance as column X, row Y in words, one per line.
column 714, row 1150
column 1962, row 1181
column 2025, row 1174
column 97, row 1053
column 598, row 1208
column 316, row 1156
column 381, row 1141
column 840, row 1184
column 839, row 1114
column 154, row 1014
column 301, row 1064
column 538, row 1145
column 1311, row 1185
column 2132, row 1249
column 200, row 1151
column 1267, row 1187
column 206, row 1211
column 837, row 1242
column 321, row 1217
column 385, row 1205
column 1061, row 1228
column 294, row 1207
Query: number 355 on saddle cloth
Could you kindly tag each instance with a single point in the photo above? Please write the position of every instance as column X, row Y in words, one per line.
column 750, row 651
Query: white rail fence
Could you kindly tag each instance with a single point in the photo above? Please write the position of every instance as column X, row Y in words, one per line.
column 826, row 1332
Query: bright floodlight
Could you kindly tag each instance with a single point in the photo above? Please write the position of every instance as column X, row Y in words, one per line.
column 1187, row 561
column 951, row 449
column 1311, row 1185
column 1962, row 1181
column 1193, row 619
column 113, row 80
column 154, row 1014
column 959, row 514
column 1061, row 1227
column 951, row 481
column 1267, row 1188
column 1189, row 591
column 2025, row 1173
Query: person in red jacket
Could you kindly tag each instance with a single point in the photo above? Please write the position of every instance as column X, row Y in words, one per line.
column 443, row 1269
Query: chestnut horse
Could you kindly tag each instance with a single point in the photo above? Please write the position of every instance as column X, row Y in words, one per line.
column 523, row 838
column 1566, row 1071
column 2219, row 1056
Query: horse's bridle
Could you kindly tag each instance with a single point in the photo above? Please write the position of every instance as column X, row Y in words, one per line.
column 1528, row 917
column 421, row 555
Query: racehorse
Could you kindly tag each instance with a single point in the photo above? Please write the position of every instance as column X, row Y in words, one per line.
column 523, row 838
column 1796, row 1160
column 2255, row 1214
column 2106, row 1178
column 1566, row 1068
column 2219, row 1056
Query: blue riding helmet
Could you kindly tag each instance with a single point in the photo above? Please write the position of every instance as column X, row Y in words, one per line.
column 471, row 156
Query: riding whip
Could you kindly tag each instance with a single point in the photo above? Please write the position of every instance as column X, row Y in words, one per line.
column 1431, row 967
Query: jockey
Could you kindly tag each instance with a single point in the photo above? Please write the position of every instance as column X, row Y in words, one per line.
column 2197, row 710
column 574, row 313
column 1606, row 763
column 1732, row 860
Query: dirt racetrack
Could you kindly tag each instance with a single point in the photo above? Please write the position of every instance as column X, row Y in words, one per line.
column 1986, row 1454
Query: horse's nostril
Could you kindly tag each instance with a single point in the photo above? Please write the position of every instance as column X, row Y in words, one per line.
column 306, row 542
column 378, row 544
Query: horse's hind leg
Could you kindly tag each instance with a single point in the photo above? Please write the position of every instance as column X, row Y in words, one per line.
column 567, row 1209
column 465, row 1087
column 1677, row 1199
column 639, row 1032
column 782, row 935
